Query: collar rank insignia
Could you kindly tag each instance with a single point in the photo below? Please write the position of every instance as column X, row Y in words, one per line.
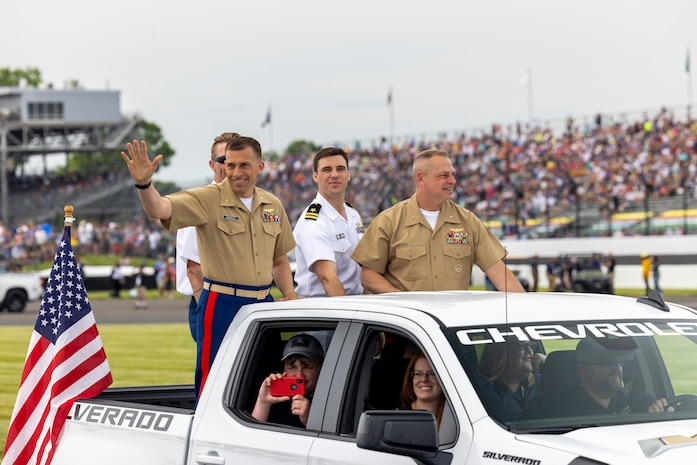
column 313, row 212
column 270, row 216
column 456, row 236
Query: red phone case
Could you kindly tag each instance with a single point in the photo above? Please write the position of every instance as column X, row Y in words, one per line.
column 288, row 387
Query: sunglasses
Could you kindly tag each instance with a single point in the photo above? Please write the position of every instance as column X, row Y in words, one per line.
column 522, row 346
column 220, row 159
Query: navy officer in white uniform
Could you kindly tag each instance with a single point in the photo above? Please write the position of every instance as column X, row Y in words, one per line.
column 327, row 232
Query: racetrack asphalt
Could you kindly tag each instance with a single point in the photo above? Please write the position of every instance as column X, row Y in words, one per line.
column 114, row 311
column 123, row 311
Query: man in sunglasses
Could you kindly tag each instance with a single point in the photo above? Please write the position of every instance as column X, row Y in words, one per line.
column 188, row 264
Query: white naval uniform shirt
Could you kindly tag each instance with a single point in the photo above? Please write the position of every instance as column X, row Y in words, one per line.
column 186, row 249
column 329, row 237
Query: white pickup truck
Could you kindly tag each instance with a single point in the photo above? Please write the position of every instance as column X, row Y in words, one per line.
column 354, row 418
column 16, row 289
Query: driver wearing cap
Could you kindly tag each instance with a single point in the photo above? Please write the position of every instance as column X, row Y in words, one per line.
column 302, row 357
column 600, row 388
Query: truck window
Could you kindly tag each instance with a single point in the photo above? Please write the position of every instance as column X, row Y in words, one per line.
column 384, row 363
column 264, row 357
column 558, row 376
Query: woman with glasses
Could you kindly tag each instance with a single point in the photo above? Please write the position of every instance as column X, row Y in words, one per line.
column 421, row 389
column 506, row 380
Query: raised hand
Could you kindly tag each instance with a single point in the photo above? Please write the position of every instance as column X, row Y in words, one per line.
column 138, row 163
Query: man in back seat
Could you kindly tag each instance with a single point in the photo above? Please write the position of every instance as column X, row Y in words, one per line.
column 302, row 357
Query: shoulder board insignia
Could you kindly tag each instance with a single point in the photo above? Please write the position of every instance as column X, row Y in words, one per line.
column 313, row 211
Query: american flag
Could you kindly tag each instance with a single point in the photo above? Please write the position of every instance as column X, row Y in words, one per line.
column 65, row 361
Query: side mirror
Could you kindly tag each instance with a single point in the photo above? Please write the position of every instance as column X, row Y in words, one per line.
column 403, row 432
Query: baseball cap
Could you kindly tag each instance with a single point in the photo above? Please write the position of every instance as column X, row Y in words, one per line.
column 611, row 350
column 304, row 345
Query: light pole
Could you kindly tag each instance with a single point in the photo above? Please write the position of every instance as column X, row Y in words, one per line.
column 684, row 210
column 647, row 221
column 4, row 189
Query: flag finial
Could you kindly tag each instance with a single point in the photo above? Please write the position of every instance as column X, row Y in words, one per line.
column 68, row 214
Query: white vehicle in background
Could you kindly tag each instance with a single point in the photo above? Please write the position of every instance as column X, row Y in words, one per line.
column 354, row 418
column 16, row 289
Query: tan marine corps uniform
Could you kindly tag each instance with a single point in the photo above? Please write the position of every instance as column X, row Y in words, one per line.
column 236, row 246
column 400, row 245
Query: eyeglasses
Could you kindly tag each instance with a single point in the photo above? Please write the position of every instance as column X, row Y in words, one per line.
column 421, row 375
column 220, row 159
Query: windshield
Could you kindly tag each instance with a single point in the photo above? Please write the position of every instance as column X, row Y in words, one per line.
column 558, row 376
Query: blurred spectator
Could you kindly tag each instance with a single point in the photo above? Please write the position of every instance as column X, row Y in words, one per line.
column 534, row 270
column 596, row 262
column 139, row 286
column 170, row 277
column 553, row 273
column 656, row 273
column 160, row 275
column 117, row 280
column 645, row 269
column 610, row 265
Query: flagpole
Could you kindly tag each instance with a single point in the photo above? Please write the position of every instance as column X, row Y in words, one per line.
column 392, row 124
column 529, row 94
column 270, row 130
column 268, row 121
column 390, row 102
column 689, row 86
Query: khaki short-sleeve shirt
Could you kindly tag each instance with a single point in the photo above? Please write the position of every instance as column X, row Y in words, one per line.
column 236, row 246
column 400, row 245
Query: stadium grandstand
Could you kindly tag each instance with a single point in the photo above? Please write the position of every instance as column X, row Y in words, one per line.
column 602, row 176
column 52, row 122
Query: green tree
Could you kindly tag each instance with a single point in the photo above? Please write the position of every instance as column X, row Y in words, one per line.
column 14, row 77
column 167, row 187
column 302, row 147
column 152, row 133
column 87, row 163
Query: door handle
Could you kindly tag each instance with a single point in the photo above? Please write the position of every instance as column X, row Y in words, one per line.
column 211, row 458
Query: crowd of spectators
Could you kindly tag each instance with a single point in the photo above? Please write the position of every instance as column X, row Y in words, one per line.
column 509, row 173
column 33, row 243
column 519, row 173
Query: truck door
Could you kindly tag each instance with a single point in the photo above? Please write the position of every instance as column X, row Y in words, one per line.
column 372, row 369
column 225, row 431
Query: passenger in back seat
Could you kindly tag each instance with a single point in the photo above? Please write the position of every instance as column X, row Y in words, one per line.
column 421, row 389
column 302, row 357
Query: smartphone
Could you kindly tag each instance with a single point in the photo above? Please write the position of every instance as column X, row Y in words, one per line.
column 292, row 386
